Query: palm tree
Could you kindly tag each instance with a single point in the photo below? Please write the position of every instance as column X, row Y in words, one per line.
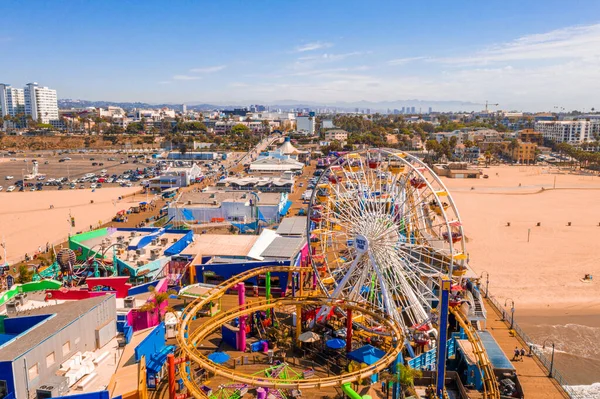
column 405, row 376
column 159, row 299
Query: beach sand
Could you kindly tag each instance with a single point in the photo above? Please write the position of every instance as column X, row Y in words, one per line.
column 542, row 276
column 27, row 222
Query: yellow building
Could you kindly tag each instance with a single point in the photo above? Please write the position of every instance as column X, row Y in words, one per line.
column 523, row 153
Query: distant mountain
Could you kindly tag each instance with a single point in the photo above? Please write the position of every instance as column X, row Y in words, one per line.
column 287, row 104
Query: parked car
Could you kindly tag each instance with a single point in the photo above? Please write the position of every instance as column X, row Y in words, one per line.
column 10, row 189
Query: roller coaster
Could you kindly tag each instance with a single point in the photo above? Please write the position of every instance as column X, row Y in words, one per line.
column 386, row 242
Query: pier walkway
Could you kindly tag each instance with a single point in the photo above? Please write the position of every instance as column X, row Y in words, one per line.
column 532, row 375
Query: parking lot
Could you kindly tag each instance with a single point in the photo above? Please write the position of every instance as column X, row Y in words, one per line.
column 73, row 167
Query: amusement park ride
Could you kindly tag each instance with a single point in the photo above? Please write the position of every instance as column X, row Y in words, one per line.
column 387, row 254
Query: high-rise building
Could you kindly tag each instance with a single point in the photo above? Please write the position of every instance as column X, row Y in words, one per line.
column 430, row 110
column 572, row 132
column 12, row 100
column 41, row 103
column 403, row 111
column 183, row 109
column 413, row 110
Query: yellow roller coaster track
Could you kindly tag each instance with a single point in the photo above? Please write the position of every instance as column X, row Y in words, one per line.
column 189, row 350
column 490, row 386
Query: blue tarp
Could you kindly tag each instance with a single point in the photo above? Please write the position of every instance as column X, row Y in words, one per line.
column 244, row 227
column 285, row 208
column 367, row 354
column 336, row 343
column 187, row 214
column 218, row 357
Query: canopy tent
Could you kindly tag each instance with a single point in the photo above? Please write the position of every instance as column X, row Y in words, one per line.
column 336, row 343
column 309, row 336
column 218, row 357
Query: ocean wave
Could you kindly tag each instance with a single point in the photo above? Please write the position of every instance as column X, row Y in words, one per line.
column 585, row 391
column 573, row 339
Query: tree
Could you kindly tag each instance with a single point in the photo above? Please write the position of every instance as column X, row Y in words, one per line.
column 25, row 275
column 159, row 299
column 240, row 129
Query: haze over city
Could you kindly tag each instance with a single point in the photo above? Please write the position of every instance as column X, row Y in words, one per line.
column 541, row 56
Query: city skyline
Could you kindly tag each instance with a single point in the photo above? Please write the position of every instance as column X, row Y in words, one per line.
column 534, row 57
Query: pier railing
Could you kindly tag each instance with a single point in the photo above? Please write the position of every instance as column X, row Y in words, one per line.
column 534, row 349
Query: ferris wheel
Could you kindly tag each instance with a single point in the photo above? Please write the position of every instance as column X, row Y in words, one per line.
column 383, row 228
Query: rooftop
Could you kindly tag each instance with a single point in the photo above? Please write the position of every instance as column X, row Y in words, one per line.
column 283, row 247
column 61, row 316
column 292, row 226
column 210, row 197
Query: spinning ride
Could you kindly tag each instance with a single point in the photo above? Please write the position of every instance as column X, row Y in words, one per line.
column 383, row 230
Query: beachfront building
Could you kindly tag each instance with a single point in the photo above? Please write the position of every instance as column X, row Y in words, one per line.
column 46, row 350
column 530, row 136
column 265, row 184
column 12, row 102
column 42, row 104
column 522, row 152
column 230, row 206
column 180, row 176
column 142, row 254
column 571, row 132
column 275, row 165
column 217, row 257
column 193, row 156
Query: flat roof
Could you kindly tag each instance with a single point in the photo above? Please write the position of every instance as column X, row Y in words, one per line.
column 125, row 379
column 494, row 352
column 283, row 247
column 209, row 197
column 64, row 314
column 292, row 226
column 220, row 245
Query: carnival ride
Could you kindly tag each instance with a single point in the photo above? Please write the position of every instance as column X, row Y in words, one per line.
column 70, row 271
column 386, row 246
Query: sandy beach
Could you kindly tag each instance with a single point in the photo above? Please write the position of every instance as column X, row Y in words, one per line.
column 27, row 222
column 542, row 275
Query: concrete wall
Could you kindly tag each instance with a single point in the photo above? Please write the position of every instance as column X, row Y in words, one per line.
column 81, row 336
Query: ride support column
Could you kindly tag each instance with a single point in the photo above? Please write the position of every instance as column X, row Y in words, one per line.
column 348, row 330
column 445, row 284
column 242, row 326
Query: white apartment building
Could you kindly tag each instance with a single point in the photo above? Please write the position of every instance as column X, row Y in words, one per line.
column 571, row 132
column 305, row 124
column 12, row 100
column 41, row 103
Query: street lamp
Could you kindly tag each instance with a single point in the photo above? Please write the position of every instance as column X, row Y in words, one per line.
column 512, row 311
column 552, row 359
column 487, row 281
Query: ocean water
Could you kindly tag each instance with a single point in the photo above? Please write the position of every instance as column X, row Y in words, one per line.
column 577, row 349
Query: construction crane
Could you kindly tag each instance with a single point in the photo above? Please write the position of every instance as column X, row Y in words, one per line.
column 486, row 105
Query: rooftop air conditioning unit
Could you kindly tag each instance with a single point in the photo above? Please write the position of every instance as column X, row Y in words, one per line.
column 140, row 263
column 55, row 386
column 132, row 234
column 120, row 239
column 189, row 202
column 11, row 307
column 215, row 202
column 140, row 251
column 155, row 241
column 164, row 241
column 129, row 302
column 19, row 300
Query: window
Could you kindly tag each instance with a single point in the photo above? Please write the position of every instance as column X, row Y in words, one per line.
column 66, row 348
column 33, row 372
column 50, row 359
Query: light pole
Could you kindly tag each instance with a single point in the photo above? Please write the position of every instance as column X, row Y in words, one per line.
column 512, row 311
column 487, row 281
column 552, row 359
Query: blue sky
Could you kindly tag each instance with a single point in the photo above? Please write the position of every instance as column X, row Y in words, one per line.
column 522, row 54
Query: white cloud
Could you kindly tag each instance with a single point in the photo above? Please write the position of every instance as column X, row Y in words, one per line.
column 210, row 69
column 403, row 61
column 312, row 46
column 578, row 42
column 186, row 77
column 164, row 82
